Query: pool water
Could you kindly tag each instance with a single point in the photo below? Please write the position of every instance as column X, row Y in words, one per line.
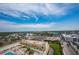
column 9, row 53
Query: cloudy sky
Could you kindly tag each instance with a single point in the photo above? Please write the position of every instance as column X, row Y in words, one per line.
column 38, row 17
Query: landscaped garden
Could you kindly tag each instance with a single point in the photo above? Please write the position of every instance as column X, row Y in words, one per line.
column 56, row 47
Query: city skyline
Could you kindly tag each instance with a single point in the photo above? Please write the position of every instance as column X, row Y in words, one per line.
column 38, row 17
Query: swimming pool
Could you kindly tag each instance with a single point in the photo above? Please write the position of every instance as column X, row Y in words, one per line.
column 9, row 53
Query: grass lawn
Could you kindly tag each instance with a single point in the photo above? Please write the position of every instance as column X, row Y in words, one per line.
column 57, row 47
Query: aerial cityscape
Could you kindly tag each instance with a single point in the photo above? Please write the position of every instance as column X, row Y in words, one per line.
column 39, row 29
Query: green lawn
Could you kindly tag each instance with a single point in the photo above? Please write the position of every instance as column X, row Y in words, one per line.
column 57, row 47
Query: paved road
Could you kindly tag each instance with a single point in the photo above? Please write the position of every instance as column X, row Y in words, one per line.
column 67, row 50
column 51, row 51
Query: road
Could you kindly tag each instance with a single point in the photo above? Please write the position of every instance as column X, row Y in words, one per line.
column 51, row 51
column 67, row 50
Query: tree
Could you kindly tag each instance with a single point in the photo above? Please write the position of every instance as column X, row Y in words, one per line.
column 1, row 43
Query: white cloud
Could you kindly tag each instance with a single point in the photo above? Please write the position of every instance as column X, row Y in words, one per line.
column 36, row 26
column 35, row 17
column 31, row 10
column 55, row 10
column 13, row 25
column 31, row 26
column 7, row 10
column 45, row 9
column 5, row 23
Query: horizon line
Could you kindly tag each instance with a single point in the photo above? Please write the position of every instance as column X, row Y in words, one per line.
column 40, row 31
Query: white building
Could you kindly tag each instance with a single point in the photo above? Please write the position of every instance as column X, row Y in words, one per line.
column 73, row 39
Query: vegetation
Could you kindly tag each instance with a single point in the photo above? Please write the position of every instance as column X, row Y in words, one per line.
column 1, row 44
column 57, row 47
column 30, row 51
column 4, row 33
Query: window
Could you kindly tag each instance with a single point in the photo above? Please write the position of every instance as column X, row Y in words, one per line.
column 78, row 39
column 75, row 39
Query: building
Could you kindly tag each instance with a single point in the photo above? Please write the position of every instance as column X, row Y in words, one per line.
column 73, row 40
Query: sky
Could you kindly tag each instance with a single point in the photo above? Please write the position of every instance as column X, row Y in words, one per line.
column 39, row 16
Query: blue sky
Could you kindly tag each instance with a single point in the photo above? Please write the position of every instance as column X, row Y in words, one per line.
column 38, row 16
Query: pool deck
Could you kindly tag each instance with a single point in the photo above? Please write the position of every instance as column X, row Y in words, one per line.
column 9, row 53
